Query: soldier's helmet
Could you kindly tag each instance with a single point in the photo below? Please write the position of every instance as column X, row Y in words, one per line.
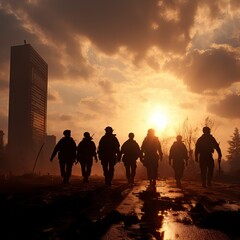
column 87, row 135
column 131, row 135
column 67, row 132
column 151, row 132
column 179, row 138
column 206, row 130
column 108, row 129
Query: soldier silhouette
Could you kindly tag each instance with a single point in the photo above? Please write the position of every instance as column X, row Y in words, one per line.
column 130, row 152
column 178, row 154
column 204, row 150
column 108, row 153
column 86, row 151
column 66, row 149
column 151, row 153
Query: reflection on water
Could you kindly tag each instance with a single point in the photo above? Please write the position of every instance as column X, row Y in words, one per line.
column 151, row 221
column 155, row 214
column 164, row 212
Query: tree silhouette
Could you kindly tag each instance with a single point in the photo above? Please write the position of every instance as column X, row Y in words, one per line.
column 234, row 151
column 189, row 134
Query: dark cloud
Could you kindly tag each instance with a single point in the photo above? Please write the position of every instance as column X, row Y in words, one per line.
column 18, row 24
column 55, row 117
column 235, row 4
column 106, row 86
column 56, row 28
column 227, row 107
column 109, row 24
column 12, row 33
column 52, row 97
column 83, row 116
column 212, row 69
column 107, row 107
column 65, row 117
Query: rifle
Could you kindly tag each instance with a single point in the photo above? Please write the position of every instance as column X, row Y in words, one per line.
column 37, row 158
column 219, row 165
column 219, row 162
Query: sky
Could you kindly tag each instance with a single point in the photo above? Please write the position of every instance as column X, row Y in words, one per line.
column 130, row 64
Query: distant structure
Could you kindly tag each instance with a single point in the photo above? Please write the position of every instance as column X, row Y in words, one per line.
column 27, row 106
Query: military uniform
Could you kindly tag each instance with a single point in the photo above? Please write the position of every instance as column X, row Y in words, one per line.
column 204, row 150
column 86, row 150
column 178, row 153
column 108, row 150
column 131, row 152
column 151, row 153
column 66, row 150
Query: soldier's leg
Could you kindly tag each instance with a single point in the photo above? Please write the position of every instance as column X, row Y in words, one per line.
column 149, row 174
column 84, row 170
column 68, row 171
column 62, row 168
column 203, row 168
column 105, row 170
column 177, row 175
column 128, row 175
column 133, row 171
column 210, row 172
column 154, row 172
column 111, row 170
column 89, row 167
column 83, row 167
column 181, row 170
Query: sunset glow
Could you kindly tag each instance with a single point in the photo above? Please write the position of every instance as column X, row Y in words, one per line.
column 159, row 120
column 108, row 70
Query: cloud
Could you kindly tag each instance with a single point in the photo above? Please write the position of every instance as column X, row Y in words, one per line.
column 112, row 61
column 227, row 107
column 212, row 69
column 54, row 96
column 60, row 30
column 60, row 117
column 109, row 25
column 106, row 107
column 106, row 86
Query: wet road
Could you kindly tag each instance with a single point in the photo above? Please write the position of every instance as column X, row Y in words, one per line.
column 167, row 212
column 45, row 209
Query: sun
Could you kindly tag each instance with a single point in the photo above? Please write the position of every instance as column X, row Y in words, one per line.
column 158, row 120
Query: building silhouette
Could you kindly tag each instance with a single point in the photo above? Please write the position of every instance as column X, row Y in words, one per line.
column 27, row 106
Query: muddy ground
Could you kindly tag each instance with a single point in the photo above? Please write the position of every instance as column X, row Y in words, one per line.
column 40, row 207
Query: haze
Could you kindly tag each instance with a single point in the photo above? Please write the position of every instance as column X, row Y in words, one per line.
column 131, row 65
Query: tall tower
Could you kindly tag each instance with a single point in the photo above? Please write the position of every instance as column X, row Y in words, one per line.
column 27, row 105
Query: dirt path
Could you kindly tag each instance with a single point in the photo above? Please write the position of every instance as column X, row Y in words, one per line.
column 170, row 213
column 43, row 208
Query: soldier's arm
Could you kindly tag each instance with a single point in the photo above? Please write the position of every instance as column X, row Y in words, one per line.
column 218, row 149
column 54, row 153
column 186, row 155
column 160, row 151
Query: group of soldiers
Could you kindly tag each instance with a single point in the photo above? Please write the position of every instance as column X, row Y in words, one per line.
column 109, row 152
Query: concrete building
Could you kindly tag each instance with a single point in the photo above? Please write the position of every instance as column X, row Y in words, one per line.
column 27, row 106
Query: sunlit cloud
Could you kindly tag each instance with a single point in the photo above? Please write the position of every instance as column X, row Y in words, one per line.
column 227, row 107
column 106, row 69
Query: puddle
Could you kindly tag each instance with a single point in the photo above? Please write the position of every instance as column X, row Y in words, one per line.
column 165, row 213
